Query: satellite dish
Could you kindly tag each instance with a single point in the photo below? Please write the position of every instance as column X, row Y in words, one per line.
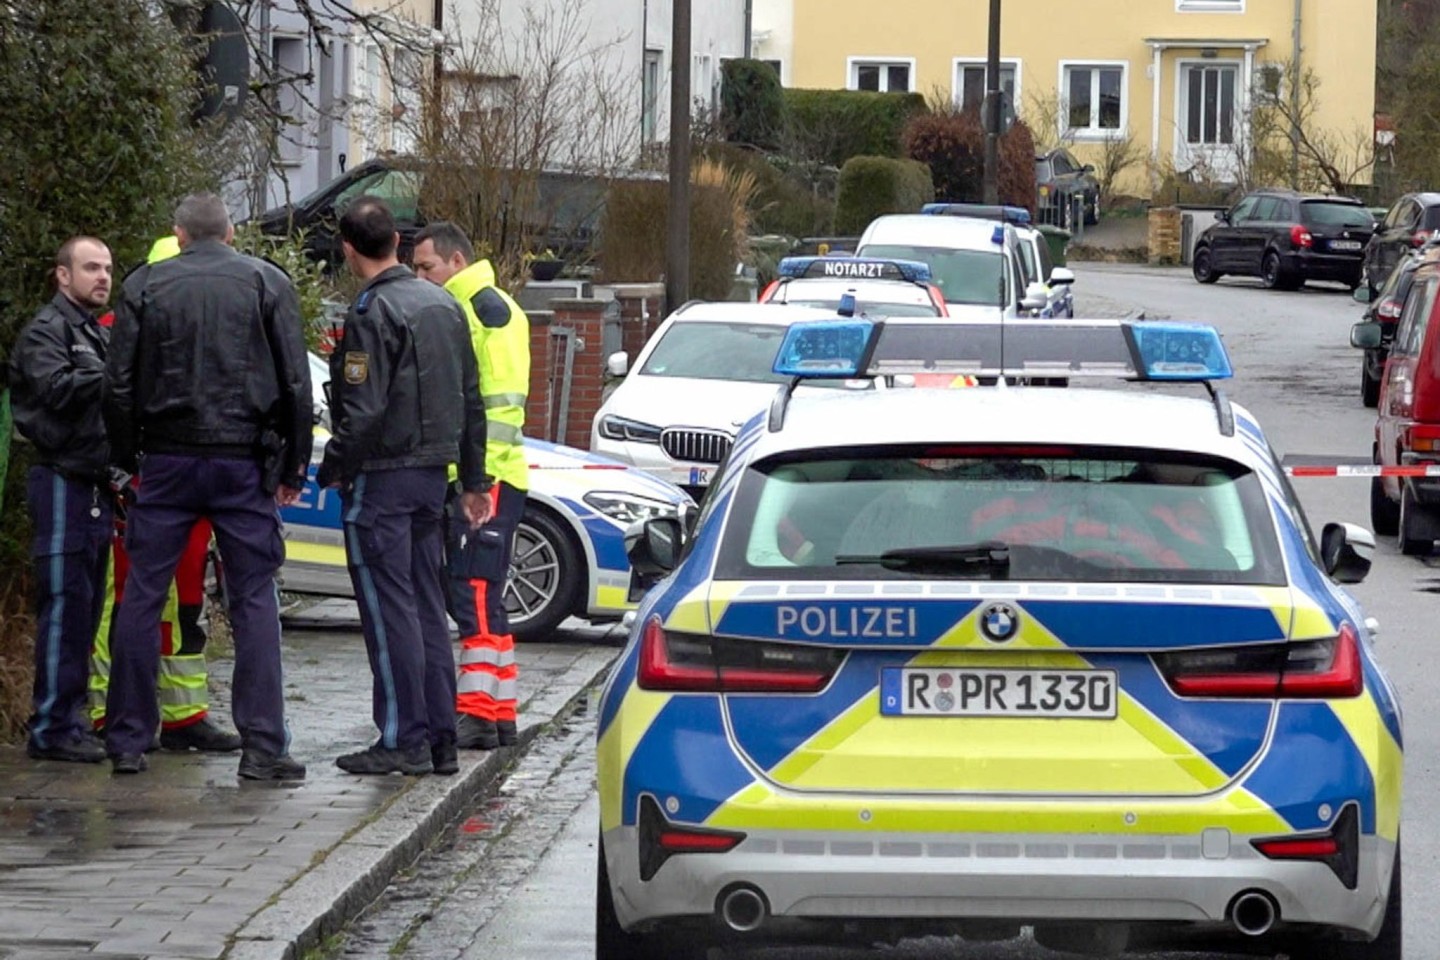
column 223, row 58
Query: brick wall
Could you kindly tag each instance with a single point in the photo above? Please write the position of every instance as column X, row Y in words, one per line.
column 642, row 308
column 537, row 402
column 587, row 377
column 1164, row 235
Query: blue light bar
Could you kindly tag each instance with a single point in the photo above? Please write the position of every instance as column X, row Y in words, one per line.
column 998, row 234
column 980, row 211
column 853, row 268
column 825, row 349
column 1180, row 351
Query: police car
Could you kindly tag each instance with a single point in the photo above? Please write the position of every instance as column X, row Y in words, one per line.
column 960, row 661
column 891, row 288
column 1036, row 263
column 569, row 555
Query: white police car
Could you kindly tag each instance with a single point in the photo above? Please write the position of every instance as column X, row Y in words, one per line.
column 569, row 555
column 961, row 661
column 1036, row 263
column 885, row 288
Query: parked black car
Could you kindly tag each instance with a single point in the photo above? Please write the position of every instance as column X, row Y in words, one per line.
column 1058, row 178
column 566, row 219
column 1408, row 225
column 1384, row 308
column 1286, row 238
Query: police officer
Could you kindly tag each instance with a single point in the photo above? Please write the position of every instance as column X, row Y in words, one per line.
column 56, row 373
column 405, row 404
column 207, row 394
column 500, row 332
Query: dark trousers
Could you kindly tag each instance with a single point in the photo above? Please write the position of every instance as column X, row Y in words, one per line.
column 175, row 492
column 71, row 554
column 483, row 554
column 393, row 540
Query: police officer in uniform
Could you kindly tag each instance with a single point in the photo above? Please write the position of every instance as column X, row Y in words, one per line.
column 207, row 395
column 56, row 373
column 405, row 404
column 478, row 572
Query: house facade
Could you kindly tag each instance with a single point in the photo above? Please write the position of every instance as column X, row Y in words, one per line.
column 1180, row 77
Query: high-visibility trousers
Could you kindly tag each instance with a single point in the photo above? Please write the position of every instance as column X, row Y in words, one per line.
column 477, row 564
column 183, row 685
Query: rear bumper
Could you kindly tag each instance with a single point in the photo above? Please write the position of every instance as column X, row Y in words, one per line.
column 1342, row 268
column 1026, row 878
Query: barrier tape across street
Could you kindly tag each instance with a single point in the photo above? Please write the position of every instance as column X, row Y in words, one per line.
column 1362, row 470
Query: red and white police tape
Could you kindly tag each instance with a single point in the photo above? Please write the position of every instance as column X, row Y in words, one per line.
column 1362, row 470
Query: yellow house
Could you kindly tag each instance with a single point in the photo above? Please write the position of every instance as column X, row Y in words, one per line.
column 1181, row 77
column 386, row 77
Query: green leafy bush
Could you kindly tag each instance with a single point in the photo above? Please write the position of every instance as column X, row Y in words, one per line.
column 311, row 283
column 873, row 186
column 835, row 125
column 752, row 106
column 785, row 201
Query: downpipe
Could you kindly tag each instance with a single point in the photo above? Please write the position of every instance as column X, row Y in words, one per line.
column 742, row 908
column 1254, row 913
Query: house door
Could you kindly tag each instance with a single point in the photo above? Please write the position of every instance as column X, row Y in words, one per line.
column 1210, row 121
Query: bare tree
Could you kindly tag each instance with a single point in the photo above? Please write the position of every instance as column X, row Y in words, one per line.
column 1119, row 153
column 1045, row 114
column 1287, row 142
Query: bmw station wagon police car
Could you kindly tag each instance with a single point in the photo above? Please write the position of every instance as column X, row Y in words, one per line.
column 890, row 288
column 961, row 661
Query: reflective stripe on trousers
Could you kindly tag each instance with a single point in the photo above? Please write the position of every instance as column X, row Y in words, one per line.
column 487, row 686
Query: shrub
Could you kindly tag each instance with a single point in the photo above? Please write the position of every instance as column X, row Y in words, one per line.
column 633, row 229
column 1016, row 177
column 752, row 107
column 872, row 186
column 835, row 125
column 785, row 202
column 314, row 288
column 952, row 144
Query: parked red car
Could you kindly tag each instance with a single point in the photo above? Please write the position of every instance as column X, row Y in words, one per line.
column 1407, row 431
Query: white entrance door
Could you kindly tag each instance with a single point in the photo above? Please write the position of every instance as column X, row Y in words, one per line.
column 1211, row 124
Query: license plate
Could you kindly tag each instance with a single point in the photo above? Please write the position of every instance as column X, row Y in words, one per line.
column 699, row 476
column 1345, row 244
column 965, row 692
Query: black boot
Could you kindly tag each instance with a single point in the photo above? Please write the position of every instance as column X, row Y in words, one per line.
column 378, row 760
column 509, row 735
column 472, row 733
column 259, row 765
column 204, row 735
column 444, row 758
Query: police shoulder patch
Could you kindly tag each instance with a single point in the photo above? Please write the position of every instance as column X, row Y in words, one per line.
column 491, row 308
column 356, row 367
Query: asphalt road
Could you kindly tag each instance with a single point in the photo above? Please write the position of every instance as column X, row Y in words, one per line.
column 516, row 878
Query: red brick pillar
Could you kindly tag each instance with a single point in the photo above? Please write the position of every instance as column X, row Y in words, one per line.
column 542, row 355
column 642, row 308
column 586, row 319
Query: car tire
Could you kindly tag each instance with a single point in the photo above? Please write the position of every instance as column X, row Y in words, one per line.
column 1369, row 386
column 547, row 576
column 1389, row 945
column 1411, row 522
column 1092, row 211
column 1384, row 512
column 613, row 943
column 1202, row 265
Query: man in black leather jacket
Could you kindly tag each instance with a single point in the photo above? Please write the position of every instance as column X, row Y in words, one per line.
column 56, row 372
column 405, row 403
column 207, row 397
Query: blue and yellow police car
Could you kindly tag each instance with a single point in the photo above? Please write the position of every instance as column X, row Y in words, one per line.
column 970, row 660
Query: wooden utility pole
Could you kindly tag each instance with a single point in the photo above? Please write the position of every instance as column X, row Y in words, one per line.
column 677, row 241
column 992, row 109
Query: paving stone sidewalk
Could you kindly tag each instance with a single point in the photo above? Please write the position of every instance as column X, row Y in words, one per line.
column 186, row 862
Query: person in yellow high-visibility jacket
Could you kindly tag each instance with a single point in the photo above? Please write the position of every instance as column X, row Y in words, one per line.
column 183, row 687
column 478, row 561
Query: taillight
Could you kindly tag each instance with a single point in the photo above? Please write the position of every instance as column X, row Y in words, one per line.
column 1389, row 309
column 660, row 839
column 1424, row 438
column 687, row 661
column 1420, row 238
column 1338, row 848
column 938, row 298
column 1300, row 237
column 1317, row 669
column 769, row 291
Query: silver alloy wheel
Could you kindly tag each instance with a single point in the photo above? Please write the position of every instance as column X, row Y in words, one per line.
column 534, row 576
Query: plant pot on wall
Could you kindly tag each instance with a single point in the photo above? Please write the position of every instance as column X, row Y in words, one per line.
column 543, row 270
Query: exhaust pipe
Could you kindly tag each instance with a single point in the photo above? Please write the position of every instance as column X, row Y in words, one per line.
column 743, row 908
column 1253, row 913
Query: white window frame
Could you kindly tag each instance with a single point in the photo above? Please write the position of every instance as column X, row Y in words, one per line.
column 1093, row 133
column 291, row 97
column 1209, row 6
column 1241, row 122
column 650, row 93
column 957, row 90
column 853, row 65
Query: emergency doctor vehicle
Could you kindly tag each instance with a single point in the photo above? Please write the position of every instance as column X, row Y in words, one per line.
column 957, row 661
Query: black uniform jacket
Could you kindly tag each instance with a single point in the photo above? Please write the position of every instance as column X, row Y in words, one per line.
column 56, row 372
column 404, row 384
column 207, row 355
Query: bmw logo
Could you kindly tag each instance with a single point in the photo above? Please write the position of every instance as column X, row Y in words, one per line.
column 999, row 622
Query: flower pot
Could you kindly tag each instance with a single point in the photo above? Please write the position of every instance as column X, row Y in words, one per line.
column 543, row 270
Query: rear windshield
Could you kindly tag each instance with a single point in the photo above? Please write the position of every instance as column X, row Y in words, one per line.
column 1327, row 213
column 1071, row 515
column 869, row 308
column 963, row 276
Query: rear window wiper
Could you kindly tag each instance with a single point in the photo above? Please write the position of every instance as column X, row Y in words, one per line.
column 987, row 557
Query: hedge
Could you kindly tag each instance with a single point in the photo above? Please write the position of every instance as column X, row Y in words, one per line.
column 835, row 125
column 952, row 145
column 872, row 186
column 752, row 106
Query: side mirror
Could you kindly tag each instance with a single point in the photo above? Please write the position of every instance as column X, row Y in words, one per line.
column 1363, row 294
column 1365, row 336
column 653, row 547
column 1061, row 275
column 1346, row 550
column 617, row 364
column 1037, row 297
column 1223, row 216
